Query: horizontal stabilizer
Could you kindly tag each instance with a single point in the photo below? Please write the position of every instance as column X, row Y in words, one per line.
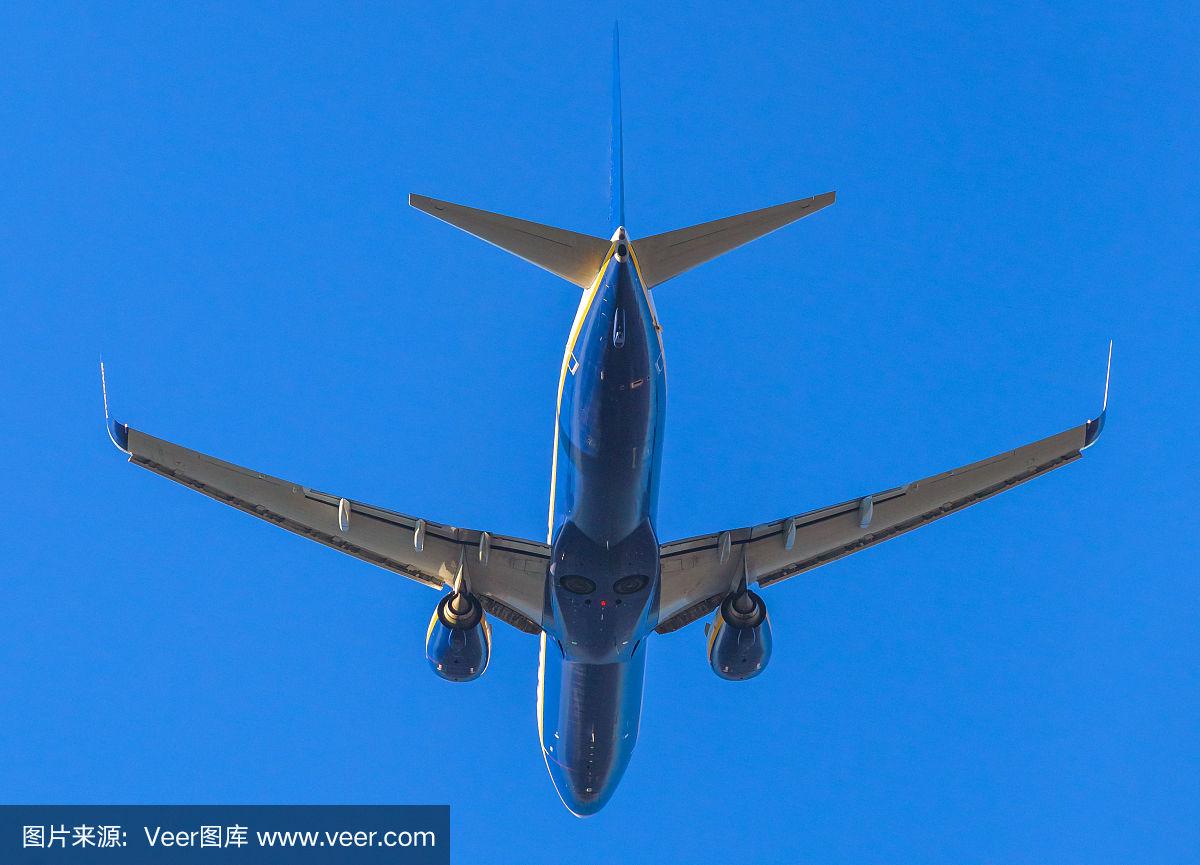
column 574, row 257
column 663, row 256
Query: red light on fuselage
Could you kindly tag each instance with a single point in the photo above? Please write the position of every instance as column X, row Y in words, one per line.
column 604, row 603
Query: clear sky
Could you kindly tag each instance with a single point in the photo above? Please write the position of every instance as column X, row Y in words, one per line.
column 215, row 199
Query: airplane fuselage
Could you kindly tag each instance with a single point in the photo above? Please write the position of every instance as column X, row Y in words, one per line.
column 603, row 582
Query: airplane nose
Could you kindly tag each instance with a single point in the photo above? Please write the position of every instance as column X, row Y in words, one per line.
column 583, row 790
column 589, row 725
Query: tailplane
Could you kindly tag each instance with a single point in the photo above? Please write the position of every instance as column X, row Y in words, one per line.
column 574, row 257
column 577, row 258
column 663, row 256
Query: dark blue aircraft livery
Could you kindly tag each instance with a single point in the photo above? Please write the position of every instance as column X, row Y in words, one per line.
column 603, row 582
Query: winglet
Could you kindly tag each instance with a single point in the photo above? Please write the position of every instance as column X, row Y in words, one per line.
column 118, row 432
column 1096, row 424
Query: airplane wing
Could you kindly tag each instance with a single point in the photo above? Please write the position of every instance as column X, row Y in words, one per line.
column 697, row 573
column 507, row 574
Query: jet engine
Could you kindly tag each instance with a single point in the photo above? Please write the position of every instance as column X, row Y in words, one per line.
column 459, row 642
column 739, row 637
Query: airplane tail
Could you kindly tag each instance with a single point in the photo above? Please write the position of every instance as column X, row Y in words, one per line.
column 577, row 258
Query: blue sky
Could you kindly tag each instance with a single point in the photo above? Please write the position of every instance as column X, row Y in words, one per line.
column 215, row 199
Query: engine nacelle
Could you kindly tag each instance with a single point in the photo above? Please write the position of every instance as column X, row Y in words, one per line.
column 459, row 642
column 739, row 637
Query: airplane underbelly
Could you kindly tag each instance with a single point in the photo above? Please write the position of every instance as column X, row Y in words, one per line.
column 609, row 441
column 588, row 720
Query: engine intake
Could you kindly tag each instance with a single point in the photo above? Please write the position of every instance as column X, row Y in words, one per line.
column 739, row 637
column 459, row 642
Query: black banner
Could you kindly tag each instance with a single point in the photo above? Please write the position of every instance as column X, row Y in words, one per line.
column 215, row 834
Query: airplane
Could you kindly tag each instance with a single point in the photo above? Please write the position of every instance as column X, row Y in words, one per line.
column 602, row 582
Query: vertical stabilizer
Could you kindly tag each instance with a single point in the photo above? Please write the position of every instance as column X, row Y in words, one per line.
column 616, row 177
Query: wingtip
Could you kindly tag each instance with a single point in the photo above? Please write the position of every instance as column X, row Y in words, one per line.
column 425, row 204
column 119, row 434
column 117, row 431
column 1095, row 426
